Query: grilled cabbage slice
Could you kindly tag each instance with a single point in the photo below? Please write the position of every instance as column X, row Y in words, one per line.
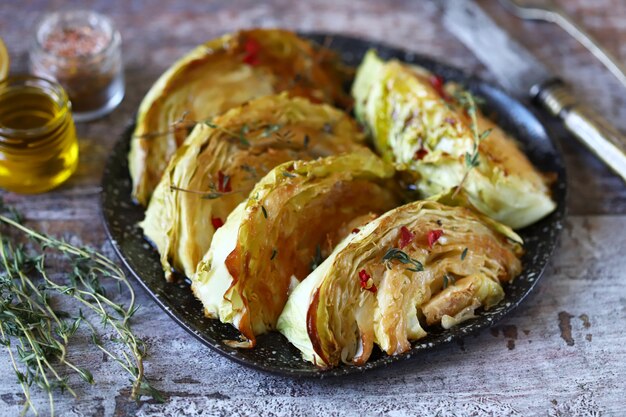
column 218, row 165
column 219, row 75
column 420, row 264
column 406, row 111
column 295, row 215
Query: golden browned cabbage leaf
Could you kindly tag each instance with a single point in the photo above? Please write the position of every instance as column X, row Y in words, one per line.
column 295, row 216
column 421, row 125
column 420, row 264
column 220, row 162
column 221, row 74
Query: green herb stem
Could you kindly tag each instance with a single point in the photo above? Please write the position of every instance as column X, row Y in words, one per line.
column 467, row 100
column 41, row 335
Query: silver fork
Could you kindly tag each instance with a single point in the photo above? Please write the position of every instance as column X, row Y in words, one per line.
column 549, row 11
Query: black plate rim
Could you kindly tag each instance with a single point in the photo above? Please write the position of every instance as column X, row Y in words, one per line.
column 383, row 362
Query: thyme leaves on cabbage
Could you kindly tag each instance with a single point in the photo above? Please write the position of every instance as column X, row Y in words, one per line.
column 270, row 129
column 468, row 102
column 183, row 123
column 402, row 257
column 285, row 137
column 217, row 189
column 448, row 280
column 36, row 336
column 212, row 194
column 241, row 135
column 250, row 170
column 175, row 126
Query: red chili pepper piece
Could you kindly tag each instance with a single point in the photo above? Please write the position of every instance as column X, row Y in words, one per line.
column 356, row 230
column 438, row 82
column 217, row 222
column 223, row 183
column 434, row 236
column 420, row 154
column 406, row 237
column 252, row 48
column 366, row 281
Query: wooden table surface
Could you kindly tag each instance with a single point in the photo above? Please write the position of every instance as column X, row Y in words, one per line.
column 562, row 353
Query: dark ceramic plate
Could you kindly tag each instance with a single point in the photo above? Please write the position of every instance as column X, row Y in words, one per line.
column 273, row 353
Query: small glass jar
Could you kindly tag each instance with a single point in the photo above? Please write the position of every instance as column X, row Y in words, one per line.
column 81, row 50
column 38, row 145
column 4, row 61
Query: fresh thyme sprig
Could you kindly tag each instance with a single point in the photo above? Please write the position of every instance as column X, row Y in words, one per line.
column 175, row 126
column 468, row 102
column 36, row 336
column 272, row 129
column 183, row 123
column 403, row 258
column 212, row 194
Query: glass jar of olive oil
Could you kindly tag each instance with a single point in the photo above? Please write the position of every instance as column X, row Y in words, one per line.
column 38, row 145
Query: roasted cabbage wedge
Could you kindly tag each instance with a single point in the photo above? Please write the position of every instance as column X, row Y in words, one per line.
column 221, row 74
column 420, row 264
column 220, row 162
column 294, row 217
column 425, row 127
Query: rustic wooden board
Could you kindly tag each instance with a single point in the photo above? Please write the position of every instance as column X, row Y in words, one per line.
column 562, row 353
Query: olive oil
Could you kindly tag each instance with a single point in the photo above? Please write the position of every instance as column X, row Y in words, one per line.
column 38, row 146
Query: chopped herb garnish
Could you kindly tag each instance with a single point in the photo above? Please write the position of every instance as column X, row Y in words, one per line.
column 288, row 174
column 463, row 254
column 448, row 280
column 274, row 253
column 305, row 143
column 264, row 211
column 270, row 129
column 403, row 258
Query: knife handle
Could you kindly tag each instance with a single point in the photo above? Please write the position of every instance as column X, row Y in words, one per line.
column 600, row 137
